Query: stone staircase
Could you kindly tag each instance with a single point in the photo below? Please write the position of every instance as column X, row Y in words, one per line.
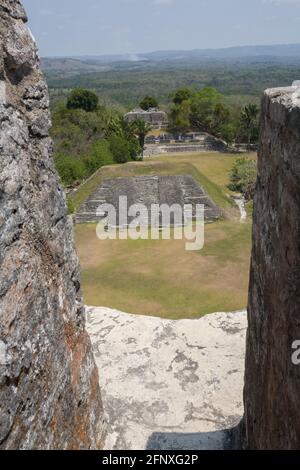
column 148, row 190
column 194, row 194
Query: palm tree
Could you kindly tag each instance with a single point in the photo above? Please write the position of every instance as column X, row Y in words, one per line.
column 141, row 129
column 249, row 120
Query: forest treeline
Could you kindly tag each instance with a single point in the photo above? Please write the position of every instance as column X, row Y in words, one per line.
column 126, row 84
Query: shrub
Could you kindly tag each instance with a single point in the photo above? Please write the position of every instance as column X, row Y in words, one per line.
column 120, row 149
column 70, row 169
column 99, row 156
column 82, row 99
column 243, row 177
column 124, row 148
column 148, row 102
column 181, row 95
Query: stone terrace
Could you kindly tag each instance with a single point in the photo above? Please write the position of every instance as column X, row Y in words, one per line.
column 147, row 190
column 170, row 384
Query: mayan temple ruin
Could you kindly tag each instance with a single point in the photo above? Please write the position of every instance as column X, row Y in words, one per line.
column 50, row 396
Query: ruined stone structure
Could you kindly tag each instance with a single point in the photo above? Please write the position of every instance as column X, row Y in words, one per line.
column 154, row 117
column 49, row 392
column 272, row 381
column 49, row 389
column 148, row 190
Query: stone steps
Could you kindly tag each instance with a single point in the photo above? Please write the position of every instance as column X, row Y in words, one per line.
column 147, row 190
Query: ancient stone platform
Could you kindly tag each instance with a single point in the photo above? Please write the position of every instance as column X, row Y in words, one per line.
column 170, row 384
column 147, row 190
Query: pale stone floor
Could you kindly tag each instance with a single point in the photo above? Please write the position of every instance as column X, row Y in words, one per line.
column 169, row 384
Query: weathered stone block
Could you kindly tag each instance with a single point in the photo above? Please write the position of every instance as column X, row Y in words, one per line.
column 272, row 381
column 19, row 46
column 14, row 8
column 49, row 390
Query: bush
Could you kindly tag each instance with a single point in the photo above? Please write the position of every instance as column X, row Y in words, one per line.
column 70, row 169
column 99, row 156
column 124, row 148
column 148, row 102
column 74, row 131
column 82, row 99
column 120, row 149
column 243, row 177
column 181, row 95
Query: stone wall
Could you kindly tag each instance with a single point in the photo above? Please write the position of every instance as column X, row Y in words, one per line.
column 272, row 382
column 49, row 393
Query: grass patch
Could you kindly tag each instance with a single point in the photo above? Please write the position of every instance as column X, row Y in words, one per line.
column 159, row 277
column 211, row 170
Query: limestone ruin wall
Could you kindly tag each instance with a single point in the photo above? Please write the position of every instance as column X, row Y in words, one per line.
column 49, row 392
column 272, row 380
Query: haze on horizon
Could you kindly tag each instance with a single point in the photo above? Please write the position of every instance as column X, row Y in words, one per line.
column 96, row 27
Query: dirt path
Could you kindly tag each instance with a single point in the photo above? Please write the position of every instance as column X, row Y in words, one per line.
column 240, row 202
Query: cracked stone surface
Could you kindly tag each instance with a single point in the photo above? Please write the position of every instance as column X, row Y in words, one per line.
column 272, row 380
column 49, row 388
column 169, row 384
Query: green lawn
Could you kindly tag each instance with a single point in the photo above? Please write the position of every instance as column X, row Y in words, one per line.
column 159, row 277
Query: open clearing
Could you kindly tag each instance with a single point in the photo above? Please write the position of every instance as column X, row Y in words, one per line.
column 159, row 277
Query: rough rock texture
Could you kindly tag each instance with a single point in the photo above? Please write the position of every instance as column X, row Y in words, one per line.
column 272, row 382
column 170, row 384
column 49, row 392
column 148, row 190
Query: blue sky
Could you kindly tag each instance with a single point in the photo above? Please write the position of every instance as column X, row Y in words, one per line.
column 80, row 27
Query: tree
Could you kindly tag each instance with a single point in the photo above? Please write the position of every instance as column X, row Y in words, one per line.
column 179, row 118
column 82, row 99
column 148, row 102
column 75, row 130
column 141, row 129
column 203, row 106
column 183, row 94
column 229, row 131
column 221, row 115
column 243, row 177
column 249, row 122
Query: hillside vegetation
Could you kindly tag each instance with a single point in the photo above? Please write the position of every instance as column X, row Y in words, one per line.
column 88, row 135
column 125, row 84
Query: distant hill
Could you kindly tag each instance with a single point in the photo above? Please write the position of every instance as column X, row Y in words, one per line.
column 281, row 52
column 68, row 65
column 241, row 73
